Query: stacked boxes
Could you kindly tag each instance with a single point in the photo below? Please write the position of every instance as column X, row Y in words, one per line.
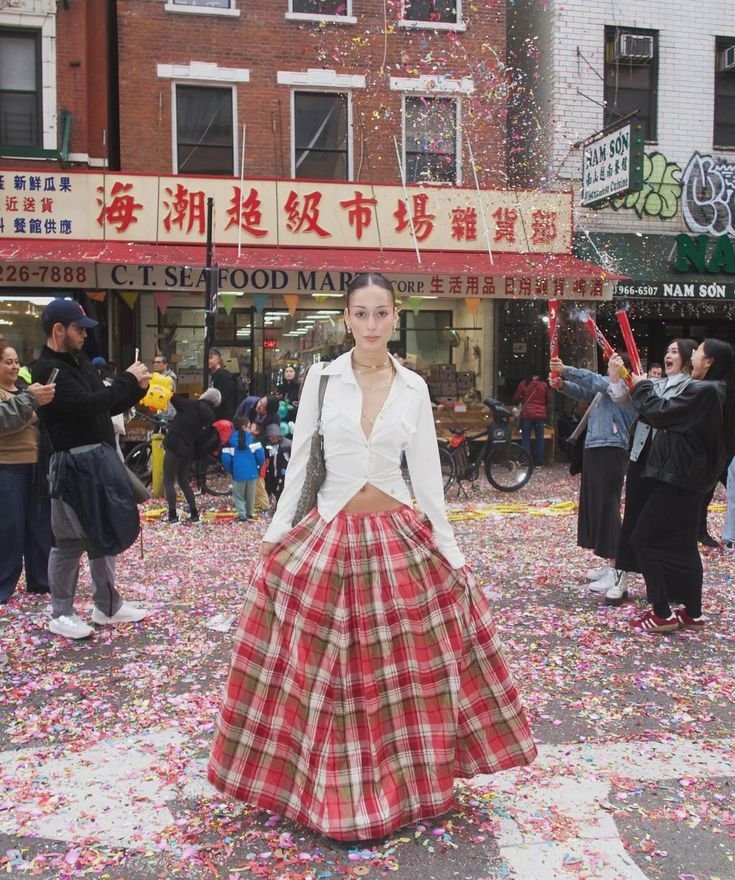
column 443, row 380
column 465, row 382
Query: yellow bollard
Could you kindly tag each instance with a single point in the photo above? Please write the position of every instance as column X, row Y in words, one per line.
column 157, row 454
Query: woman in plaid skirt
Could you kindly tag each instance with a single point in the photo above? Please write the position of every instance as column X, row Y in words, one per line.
column 366, row 673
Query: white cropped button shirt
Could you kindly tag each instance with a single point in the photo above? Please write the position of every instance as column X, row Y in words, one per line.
column 405, row 425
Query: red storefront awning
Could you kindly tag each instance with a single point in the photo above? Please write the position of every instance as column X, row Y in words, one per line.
column 391, row 262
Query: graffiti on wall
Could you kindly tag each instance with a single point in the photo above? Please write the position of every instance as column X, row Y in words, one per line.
column 708, row 197
column 661, row 191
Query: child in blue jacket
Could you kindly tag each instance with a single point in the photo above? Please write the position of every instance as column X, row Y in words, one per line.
column 243, row 458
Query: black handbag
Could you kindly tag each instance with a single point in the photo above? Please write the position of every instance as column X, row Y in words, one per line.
column 574, row 448
column 316, row 469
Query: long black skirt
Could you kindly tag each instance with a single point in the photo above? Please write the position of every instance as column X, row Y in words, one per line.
column 598, row 518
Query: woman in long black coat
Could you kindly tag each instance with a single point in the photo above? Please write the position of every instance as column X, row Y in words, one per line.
column 685, row 459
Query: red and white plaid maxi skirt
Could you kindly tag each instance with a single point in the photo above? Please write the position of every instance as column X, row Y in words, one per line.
column 366, row 676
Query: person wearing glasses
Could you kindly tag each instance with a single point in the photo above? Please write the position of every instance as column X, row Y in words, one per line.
column 160, row 366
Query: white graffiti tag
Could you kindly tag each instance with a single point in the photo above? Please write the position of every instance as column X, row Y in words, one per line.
column 708, row 197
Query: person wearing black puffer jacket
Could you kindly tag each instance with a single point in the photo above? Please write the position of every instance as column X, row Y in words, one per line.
column 192, row 416
column 686, row 457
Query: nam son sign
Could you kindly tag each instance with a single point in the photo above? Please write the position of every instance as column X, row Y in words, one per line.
column 612, row 164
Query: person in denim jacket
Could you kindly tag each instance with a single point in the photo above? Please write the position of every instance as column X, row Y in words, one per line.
column 604, row 463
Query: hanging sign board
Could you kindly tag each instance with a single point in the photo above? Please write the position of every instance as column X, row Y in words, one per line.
column 612, row 164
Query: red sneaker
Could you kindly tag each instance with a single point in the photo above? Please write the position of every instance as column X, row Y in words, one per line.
column 687, row 622
column 652, row 623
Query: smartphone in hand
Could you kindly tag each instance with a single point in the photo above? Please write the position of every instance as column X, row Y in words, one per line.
column 52, row 376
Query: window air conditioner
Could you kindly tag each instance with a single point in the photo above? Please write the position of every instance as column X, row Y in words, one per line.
column 634, row 47
column 727, row 59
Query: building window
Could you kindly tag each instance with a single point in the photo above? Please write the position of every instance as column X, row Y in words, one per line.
column 212, row 4
column 431, row 139
column 433, row 11
column 321, row 7
column 631, row 74
column 20, row 88
column 204, row 130
column 320, row 131
column 724, row 133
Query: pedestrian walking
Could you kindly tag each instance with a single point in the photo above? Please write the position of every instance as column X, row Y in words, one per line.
column 367, row 673
column 92, row 505
column 533, row 396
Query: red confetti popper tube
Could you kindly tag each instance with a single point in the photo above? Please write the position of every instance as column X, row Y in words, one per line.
column 630, row 346
column 554, row 330
column 607, row 350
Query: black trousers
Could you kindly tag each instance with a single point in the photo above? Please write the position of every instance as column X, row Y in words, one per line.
column 175, row 468
column 664, row 540
column 637, row 493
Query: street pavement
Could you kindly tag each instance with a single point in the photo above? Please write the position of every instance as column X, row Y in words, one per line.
column 105, row 741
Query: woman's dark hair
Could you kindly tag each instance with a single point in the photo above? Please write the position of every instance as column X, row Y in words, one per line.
column 721, row 368
column 365, row 279
column 3, row 345
column 271, row 404
column 686, row 348
column 240, row 424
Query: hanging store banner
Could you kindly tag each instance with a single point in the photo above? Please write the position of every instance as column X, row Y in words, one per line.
column 117, row 207
column 612, row 164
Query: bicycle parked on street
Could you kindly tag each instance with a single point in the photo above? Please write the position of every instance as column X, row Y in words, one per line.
column 507, row 465
column 207, row 473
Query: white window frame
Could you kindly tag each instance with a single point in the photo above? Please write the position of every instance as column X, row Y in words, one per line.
column 458, row 136
column 348, row 18
column 189, row 9
column 322, row 90
column 414, row 24
column 174, row 124
column 46, row 24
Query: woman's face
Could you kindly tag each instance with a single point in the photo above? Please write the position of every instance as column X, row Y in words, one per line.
column 372, row 315
column 289, row 374
column 673, row 361
column 9, row 366
column 700, row 363
column 261, row 406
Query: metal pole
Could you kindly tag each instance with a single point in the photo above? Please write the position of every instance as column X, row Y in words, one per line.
column 210, row 296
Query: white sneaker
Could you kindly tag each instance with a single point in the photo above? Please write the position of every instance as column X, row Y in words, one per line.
column 125, row 614
column 604, row 583
column 618, row 592
column 71, row 626
column 594, row 574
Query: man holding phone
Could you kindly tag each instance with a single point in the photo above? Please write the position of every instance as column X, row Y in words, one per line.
column 92, row 508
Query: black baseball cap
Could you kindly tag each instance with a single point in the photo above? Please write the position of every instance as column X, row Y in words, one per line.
column 65, row 311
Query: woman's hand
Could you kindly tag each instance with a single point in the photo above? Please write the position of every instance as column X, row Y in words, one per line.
column 556, row 365
column 635, row 378
column 43, row 393
column 266, row 548
column 615, row 368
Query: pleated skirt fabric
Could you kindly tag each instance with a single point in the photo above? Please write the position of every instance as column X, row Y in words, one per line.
column 366, row 676
column 598, row 516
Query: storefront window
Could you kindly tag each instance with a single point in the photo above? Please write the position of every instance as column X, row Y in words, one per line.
column 428, row 337
column 20, row 324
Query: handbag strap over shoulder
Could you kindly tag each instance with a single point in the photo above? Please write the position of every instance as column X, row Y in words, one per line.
column 323, row 381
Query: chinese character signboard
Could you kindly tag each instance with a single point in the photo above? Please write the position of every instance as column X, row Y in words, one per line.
column 116, row 207
column 612, row 164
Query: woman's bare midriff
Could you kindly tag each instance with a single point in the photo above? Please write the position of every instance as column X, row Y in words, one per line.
column 371, row 500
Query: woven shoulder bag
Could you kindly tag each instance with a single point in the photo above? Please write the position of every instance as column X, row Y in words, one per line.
column 316, row 469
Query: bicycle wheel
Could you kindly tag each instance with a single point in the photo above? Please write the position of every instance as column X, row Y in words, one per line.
column 446, row 461
column 508, row 467
column 212, row 477
column 139, row 462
